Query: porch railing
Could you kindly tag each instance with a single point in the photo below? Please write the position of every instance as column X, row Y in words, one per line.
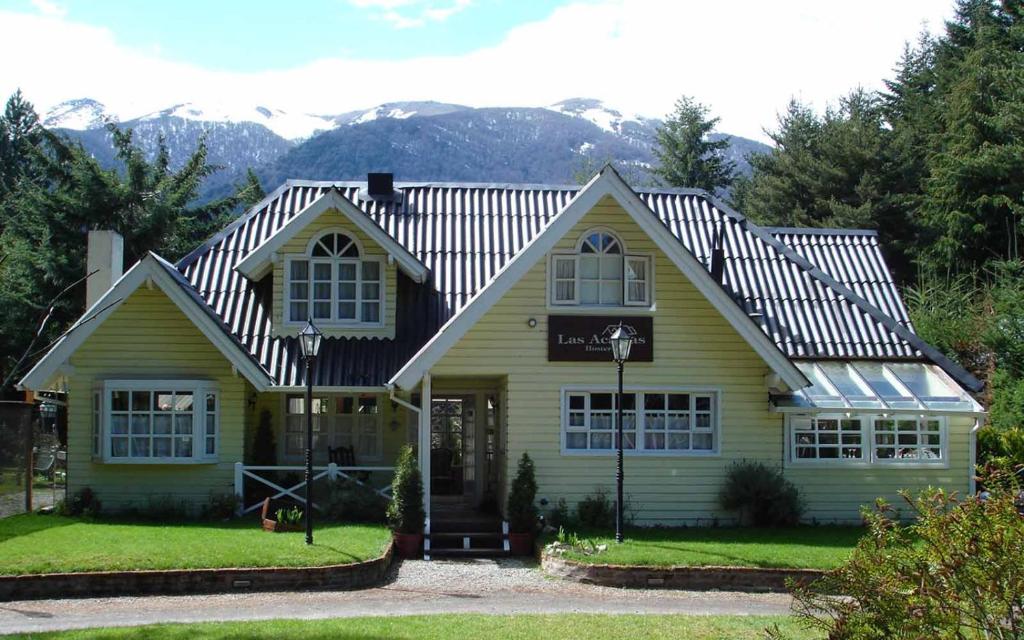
column 244, row 472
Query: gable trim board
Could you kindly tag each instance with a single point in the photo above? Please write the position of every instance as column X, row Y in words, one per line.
column 955, row 371
column 260, row 259
column 162, row 274
column 606, row 183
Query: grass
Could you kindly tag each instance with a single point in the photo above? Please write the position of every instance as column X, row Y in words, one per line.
column 32, row 543
column 449, row 627
column 824, row 547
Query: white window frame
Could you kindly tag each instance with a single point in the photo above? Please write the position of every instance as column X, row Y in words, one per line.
column 199, row 389
column 868, row 431
column 864, row 431
column 640, row 451
column 335, row 264
column 640, row 305
column 326, row 424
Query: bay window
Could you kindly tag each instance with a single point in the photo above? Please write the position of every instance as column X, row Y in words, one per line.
column 600, row 273
column 333, row 283
column 870, row 439
column 653, row 421
column 161, row 421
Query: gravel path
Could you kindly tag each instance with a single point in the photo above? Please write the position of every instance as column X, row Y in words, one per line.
column 415, row 587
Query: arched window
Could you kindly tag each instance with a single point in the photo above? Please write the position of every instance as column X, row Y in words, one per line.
column 334, row 283
column 600, row 273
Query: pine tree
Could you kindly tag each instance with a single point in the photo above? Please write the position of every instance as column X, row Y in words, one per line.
column 686, row 156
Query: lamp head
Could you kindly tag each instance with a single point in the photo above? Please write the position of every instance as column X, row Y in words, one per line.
column 309, row 340
column 621, row 342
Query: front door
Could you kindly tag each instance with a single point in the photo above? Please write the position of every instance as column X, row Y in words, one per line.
column 452, row 446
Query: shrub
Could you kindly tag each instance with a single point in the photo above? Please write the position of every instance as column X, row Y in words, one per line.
column 1001, row 447
column 596, row 511
column 954, row 571
column 162, row 508
column 221, row 506
column 405, row 512
column 559, row 516
column 349, row 501
column 289, row 516
column 522, row 512
column 761, row 494
column 81, row 503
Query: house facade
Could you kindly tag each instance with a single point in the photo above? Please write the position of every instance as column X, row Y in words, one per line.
column 471, row 322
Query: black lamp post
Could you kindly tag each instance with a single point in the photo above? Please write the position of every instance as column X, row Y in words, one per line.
column 621, row 341
column 309, row 342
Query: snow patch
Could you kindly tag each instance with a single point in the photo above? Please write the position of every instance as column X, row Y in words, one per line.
column 291, row 126
column 79, row 115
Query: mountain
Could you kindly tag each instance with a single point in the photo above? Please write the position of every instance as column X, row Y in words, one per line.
column 416, row 140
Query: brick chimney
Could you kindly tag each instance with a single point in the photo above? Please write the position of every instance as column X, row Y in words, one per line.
column 105, row 256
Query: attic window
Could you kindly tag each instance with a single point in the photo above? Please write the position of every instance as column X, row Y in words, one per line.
column 600, row 273
column 334, row 283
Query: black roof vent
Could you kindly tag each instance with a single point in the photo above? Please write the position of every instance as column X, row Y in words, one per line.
column 718, row 257
column 380, row 185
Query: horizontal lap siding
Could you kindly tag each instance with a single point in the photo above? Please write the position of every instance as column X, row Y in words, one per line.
column 297, row 245
column 149, row 337
column 838, row 494
column 693, row 346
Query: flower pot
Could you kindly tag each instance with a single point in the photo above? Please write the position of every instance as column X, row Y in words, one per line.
column 521, row 544
column 408, row 545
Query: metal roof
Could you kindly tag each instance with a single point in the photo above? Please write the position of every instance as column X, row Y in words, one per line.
column 818, row 294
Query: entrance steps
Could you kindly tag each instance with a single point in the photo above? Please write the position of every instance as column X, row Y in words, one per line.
column 456, row 531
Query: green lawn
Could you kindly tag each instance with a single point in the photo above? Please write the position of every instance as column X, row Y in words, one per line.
column 34, row 543
column 449, row 627
column 822, row 547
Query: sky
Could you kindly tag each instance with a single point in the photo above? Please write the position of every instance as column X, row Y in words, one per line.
column 745, row 59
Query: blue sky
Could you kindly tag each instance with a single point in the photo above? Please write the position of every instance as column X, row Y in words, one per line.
column 744, row 58
column 264, row 35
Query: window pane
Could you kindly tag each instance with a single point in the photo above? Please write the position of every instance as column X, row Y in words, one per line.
column 654, row 440
column 211, row 424
column 183, row 447
column 119, row 401
column 346, row 310
column 321, row 310
column 368, row 405
column 680, row 402
column 298, row 311
column 565, row 290
column 183, row 401
column 371, row 291
column 703, row 403
column 322, row 271
column 119, row 423
column 611, row 267
column 211, row 446
column 140, row 423
column 600, row 401
column 636, row 269
column 589, row 293
column 347, row 291
column 371, row 271
column 162, row 424
column 299, row 270
column 140, row 447
column 347, row 271
column 611, row 292
column 565, row 268
column 702, row 441
column 162, row 447
column 678, row 441
column 637, row 292
column 577, row 402
column 371, row 312
column 601, row 440
column 576, row 440
column 183, row 423
column 590, row 267
column 141, row 401
column 119, row 447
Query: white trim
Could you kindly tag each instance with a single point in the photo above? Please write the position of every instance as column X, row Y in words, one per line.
column 199, row 388
column 606, row 182
column 330, row 231
column 151, row 268
column 869, row 460
column 716, row 428
column 326, row 389
column 259, row 260
column 333, row 324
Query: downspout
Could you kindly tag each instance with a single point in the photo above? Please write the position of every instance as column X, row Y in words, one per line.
column 979, row 422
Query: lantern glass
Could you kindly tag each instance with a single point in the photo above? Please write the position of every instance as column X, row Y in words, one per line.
column 309, row 340
column 621, row 341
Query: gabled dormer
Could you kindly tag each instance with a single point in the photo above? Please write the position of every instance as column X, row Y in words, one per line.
column 334, row 264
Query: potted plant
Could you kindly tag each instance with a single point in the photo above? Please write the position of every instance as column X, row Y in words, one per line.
column 405, row 513
column 287, row 519
column 521, row 511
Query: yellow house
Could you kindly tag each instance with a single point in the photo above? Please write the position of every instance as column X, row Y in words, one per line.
column 471, row 321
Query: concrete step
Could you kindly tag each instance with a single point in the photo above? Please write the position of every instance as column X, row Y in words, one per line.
column 468, row 553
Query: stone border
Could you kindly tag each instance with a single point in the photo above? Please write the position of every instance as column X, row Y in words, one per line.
column 356, row 575
column 694, row 578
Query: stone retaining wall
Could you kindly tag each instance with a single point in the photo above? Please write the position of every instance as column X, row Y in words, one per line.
column 357, row 575
column 695, row 578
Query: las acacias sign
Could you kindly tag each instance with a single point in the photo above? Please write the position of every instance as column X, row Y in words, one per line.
column 585, row 338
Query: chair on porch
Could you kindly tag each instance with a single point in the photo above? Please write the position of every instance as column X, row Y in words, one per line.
column 346, row 457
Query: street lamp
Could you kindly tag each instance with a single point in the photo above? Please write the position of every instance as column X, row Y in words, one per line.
column 621, row 341
column 309, row 342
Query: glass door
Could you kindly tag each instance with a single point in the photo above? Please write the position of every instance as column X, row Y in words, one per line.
column 448, row 445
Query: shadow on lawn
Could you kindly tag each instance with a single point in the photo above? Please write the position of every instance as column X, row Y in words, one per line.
column 28, row 523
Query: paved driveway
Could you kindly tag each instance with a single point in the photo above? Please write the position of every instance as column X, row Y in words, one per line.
column 415, row 587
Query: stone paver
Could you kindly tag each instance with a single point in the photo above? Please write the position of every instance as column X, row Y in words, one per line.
column 415, row 587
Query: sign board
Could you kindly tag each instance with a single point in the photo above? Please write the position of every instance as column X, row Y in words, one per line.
column 585, row 338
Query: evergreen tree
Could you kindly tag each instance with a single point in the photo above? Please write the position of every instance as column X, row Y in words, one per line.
column 686, row 156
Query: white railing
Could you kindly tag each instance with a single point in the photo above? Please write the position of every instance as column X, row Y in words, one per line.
column 331, row 471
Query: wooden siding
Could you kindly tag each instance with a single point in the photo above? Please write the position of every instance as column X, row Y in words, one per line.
column 149, row 337
column 694, row 346
column 297, row 246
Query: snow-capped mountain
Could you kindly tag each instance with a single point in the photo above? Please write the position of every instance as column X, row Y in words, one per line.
column 417, row 140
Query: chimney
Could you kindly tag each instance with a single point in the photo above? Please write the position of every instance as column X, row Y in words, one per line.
column 718, row 257
column 105, row 256
column 380, row 185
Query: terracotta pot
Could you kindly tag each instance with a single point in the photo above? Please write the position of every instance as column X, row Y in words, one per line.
column 408, row 545
column 521, row 544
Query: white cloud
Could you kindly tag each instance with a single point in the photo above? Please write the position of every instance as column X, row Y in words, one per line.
column 407, row 14
column 745, row 59
column 48, row 8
